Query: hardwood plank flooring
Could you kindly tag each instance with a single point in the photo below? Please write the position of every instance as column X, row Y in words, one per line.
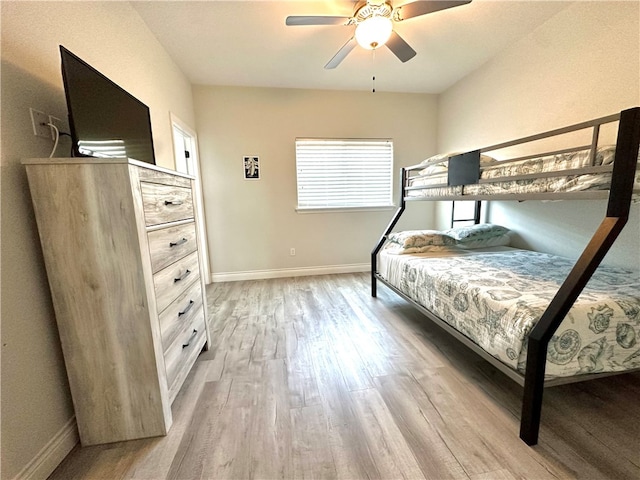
column 310, row 377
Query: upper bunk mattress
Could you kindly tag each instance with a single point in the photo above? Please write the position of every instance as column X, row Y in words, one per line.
column 492, row 170
column 496, row 296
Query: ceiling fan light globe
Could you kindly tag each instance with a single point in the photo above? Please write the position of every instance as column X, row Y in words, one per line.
column 373, row 32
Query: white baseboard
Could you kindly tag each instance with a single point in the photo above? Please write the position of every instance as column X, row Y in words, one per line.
column 52, row 454
column 289, row 272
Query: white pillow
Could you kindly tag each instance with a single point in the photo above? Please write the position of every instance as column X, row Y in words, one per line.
column 475, row 232
column 420, row 238
column 440, row 163
column 502, row 240
column 397, row 249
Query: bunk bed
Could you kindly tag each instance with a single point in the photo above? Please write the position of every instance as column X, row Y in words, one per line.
column 535, row 338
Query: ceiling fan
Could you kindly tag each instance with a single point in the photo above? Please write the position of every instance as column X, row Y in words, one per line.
column 374, row 25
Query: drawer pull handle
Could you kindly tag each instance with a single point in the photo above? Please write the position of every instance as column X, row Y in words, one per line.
column 179, row 242
column 173, row 202
column 195, row 332
column 183, row 276
column 187, row 308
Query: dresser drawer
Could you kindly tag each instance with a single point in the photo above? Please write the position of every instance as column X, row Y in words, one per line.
column 190, row 338
column 165, row 203
column 173, row 280
column 168, row 245
column 151, row 175
column 181, row 311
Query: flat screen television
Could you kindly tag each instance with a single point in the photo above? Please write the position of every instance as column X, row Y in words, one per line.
column 105, row 120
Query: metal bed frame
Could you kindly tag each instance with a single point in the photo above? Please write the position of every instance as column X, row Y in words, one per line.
column 617, row 213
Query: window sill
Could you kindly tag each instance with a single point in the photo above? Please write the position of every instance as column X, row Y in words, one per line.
column 305, row 210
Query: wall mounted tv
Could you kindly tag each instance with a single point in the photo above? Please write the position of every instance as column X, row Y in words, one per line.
column 105, row 120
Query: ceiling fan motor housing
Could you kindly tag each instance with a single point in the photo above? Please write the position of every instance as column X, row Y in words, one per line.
column 373, row 9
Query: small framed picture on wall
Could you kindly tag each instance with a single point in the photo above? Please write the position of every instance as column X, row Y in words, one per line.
column 251, row 167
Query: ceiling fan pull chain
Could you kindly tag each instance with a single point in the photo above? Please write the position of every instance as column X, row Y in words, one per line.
column 373, row 67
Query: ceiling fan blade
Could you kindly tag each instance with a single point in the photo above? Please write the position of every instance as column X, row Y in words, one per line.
column 422, row 7
column 400, row 48
column 342, row 53
column 316, row 20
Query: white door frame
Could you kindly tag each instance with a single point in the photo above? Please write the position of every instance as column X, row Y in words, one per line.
column 203, row 250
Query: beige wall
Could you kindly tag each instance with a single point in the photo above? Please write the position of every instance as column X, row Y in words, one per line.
column 581, row 64
column 112, row 37
column 253, row 224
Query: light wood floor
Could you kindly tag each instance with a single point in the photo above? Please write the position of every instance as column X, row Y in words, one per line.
column 310, row 377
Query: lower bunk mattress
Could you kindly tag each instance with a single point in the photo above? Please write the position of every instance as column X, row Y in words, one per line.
column 495, row 296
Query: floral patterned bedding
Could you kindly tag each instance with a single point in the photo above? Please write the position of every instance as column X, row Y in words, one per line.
column 436, row 174
column 496, row 296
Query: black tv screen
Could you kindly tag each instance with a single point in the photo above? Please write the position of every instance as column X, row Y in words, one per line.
column 105, row 120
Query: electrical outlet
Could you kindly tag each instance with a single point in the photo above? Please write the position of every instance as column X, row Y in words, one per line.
column 292, row 252
column 58, row 123
column 39, row 122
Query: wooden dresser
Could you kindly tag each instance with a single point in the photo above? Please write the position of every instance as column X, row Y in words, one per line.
column 120, row 249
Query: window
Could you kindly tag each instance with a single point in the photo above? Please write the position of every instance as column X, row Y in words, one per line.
column 344, row 173
column 465, row 212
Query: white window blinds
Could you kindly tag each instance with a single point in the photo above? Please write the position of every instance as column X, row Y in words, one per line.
column 344, row 173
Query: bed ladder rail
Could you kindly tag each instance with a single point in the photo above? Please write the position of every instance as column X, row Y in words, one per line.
column 396, row 216
column 626, row 158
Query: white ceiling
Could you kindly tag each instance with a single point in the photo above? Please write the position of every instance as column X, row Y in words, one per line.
column 246, row 43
